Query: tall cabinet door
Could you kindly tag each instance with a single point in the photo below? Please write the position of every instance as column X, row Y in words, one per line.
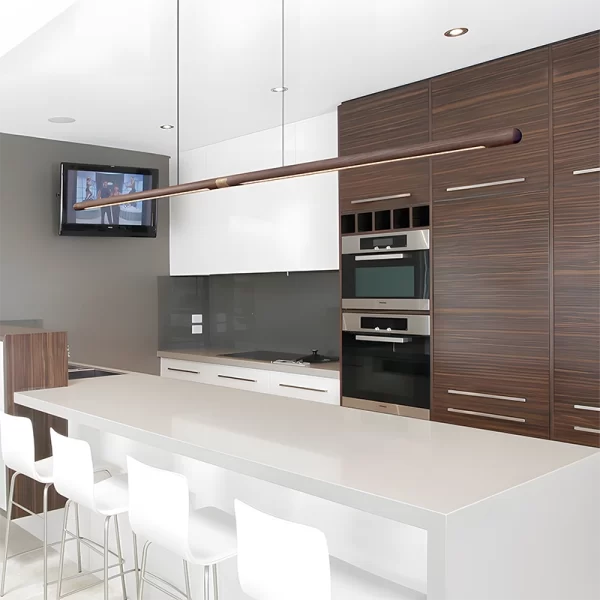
column 491, row 250
column 396, row 117
column 576, row 116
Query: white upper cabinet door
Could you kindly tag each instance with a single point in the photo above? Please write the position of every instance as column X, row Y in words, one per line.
column 288, row 225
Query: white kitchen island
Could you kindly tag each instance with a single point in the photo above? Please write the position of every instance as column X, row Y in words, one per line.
column 494, row 516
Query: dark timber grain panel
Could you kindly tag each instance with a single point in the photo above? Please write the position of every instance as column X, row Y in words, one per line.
column 35, row 361
column 491, row 317
column 570, row 425
column 576, row 108
column 392, row 118
column 510, row 91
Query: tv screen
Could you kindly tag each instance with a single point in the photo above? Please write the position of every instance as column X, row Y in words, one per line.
column 81, row 182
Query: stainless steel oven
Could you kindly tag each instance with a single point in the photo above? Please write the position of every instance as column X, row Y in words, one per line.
column 385, row 363
column 388, row 272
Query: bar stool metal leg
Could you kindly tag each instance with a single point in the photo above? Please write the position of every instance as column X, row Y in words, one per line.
column 106, row 531
column 186, row 574
column 206, row 583
column 136, row 565
column 7, row 536
column 215, row 577
column 77, row 533
column 61, row 562
column 120, row 555
column 143, row 571
column 45, row 505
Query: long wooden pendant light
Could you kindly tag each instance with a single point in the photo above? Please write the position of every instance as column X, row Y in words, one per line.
column 490, row 139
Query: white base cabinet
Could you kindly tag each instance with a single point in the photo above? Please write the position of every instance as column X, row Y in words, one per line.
column 305, row 387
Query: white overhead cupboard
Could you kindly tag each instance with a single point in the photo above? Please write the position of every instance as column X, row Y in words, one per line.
column 288, row 225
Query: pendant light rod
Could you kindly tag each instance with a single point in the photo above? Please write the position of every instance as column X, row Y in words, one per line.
column 490, row 139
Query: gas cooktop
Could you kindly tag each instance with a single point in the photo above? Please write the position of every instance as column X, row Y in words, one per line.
column 269, row 356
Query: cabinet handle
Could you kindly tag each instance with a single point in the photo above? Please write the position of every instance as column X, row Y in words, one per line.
column 237, row 378
column 366, row 200
column 376, row 338
column 299, row 387
column 581, row 407
column 484, row 185
column 492, row 396
column 488, row 415
column 586, row 429
column 586, row 171
column 378, row 257
column 183, row 371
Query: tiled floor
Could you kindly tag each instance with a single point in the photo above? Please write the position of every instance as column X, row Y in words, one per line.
column 25, row 573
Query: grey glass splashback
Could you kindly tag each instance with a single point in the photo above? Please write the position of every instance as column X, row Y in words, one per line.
column 264, row 311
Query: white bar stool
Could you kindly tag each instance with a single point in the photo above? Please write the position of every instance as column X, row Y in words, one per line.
column 159, row 510
column 280, row 559
column 18, row 453
column 74, row 479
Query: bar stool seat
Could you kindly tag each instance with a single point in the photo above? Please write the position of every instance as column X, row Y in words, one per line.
column 112, row 496
column 212, row 536
column 43, row 470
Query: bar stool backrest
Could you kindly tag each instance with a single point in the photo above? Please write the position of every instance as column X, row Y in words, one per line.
column 18, row 447
column 73, row 469
column 280, row 559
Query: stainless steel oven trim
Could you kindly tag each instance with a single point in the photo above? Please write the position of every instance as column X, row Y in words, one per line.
column 417, row 324
column 378, row 257
column 383, row 338
column 388, row 304
column 387, row 408
column 417, row 239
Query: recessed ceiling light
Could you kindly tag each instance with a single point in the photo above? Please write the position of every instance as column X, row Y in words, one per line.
column 456, row 32
column 61, row 120
column 167, row 126
column 279, row 89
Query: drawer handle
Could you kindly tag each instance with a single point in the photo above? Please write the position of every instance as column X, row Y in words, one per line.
column 366, row 200
column 586, row 171
column 378, row 257
column 492, row 396
column 183, row 371
column 581, row 407
column 484, row 185
column 488, row 415
column 299, row 387
column 237, row 378
column 586, row 429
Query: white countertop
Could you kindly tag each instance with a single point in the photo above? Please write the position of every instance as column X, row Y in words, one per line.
column 331, row 370
column 407, row 469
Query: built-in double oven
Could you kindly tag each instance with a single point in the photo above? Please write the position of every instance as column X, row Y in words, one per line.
column 386, row 272
column 386, row 351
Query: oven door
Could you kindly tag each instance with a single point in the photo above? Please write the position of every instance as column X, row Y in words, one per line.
column 390, row 280
column 382, row 365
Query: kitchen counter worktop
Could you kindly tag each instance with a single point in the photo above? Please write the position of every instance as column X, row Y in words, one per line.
column 214, row 355
column 325, row 450
column 17, row 330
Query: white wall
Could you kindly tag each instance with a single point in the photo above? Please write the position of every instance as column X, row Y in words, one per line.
column 289, row 225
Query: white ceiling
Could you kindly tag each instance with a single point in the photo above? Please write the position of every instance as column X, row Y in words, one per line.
column 111, row 64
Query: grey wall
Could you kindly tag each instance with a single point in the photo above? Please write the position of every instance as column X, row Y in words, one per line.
column 102, row 291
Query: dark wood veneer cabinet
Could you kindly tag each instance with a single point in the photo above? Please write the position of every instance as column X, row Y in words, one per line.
column 510, row 92
column 392, row 118
column 576, row 138
column 491, row 313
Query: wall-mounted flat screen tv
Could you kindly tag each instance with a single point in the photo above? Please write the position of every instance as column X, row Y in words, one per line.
column 81, row 182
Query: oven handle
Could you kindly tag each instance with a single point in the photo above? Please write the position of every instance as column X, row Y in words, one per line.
column 378, row 257
column 376, row 338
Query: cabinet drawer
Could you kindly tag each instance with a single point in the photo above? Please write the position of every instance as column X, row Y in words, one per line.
column 478, row 407
column 509, row 92
column 577, row 424
column 183, row 369
column 305, row 387
column 254, row 380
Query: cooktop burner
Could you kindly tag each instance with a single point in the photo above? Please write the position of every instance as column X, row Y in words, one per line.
column 269, row 356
